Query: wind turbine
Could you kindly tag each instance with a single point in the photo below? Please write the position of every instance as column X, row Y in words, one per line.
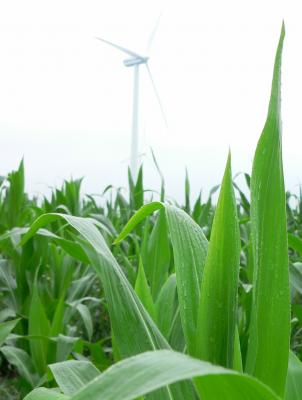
column 135, row 61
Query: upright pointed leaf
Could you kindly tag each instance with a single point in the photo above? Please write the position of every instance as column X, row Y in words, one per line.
column 268, row 350
column 38, row 325
column 187, row 193
column 218, row 303
column 237, row 363
column 158, row 254
column 142, row 289
column 15, row 196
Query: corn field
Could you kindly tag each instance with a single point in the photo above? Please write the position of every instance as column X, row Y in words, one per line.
column 130, row 298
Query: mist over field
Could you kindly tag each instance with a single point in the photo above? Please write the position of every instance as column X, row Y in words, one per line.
column 66, row 98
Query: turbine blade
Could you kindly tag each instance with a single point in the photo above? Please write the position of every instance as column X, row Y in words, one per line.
column 157, row 95
column 153, row 33
column 123, row 49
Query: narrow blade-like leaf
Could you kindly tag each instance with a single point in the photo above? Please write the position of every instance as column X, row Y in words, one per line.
column 218, row 302
column 38, row 325
column 268, row 349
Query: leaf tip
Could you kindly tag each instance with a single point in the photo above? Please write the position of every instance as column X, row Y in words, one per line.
column 283, row 29
column 229, row 159
column 117, row 240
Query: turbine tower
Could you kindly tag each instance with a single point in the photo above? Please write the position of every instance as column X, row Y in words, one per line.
column 136, row 60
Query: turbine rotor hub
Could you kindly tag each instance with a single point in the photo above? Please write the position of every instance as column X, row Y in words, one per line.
column 130, row 62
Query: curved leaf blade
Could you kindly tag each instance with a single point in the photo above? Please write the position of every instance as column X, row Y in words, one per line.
column 294, row 378
column 72, row 376
column 190, row 249
column 139, row 375
column 45, row 394
column 6, row 328
column 133, row 328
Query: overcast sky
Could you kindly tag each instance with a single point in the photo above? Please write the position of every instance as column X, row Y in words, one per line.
column 66, row 98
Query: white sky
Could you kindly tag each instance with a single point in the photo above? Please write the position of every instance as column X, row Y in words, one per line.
column 66, row 98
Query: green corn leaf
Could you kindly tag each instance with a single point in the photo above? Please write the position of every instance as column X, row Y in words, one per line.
column 65, row 345
column 7, row 279
column 190, row 249
column 218, row 303
column 138, row 217
column 177, row 339
column 295, row 243
column 268, row 349
column 197, row 209
column 142, row 289
column 187, row 193
column 72, row 248
column 98, row 355
column 136, row 190
column 158, row 254
column 152, row 370
column 6, row 328
column 86, row 318
column 56, row 328
column 294, row 378
column 21, row 360
column 237, row 364
column 57, row 321
column 165, row 306
column 38, row 325
column 15, row 196
column 72, row 376
column 45, row 394
column 168, row 316
column 295, row 276
column 119, row 293
column 134, row 331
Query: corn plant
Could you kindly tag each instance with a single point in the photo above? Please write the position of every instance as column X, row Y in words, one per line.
column 198, row 296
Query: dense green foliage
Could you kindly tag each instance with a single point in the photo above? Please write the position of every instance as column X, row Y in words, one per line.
column 190, row 301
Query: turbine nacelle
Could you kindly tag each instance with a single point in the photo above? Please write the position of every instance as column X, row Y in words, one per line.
column 130, row 62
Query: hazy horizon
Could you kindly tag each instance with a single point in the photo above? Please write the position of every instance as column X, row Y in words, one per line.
column 66, row 98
